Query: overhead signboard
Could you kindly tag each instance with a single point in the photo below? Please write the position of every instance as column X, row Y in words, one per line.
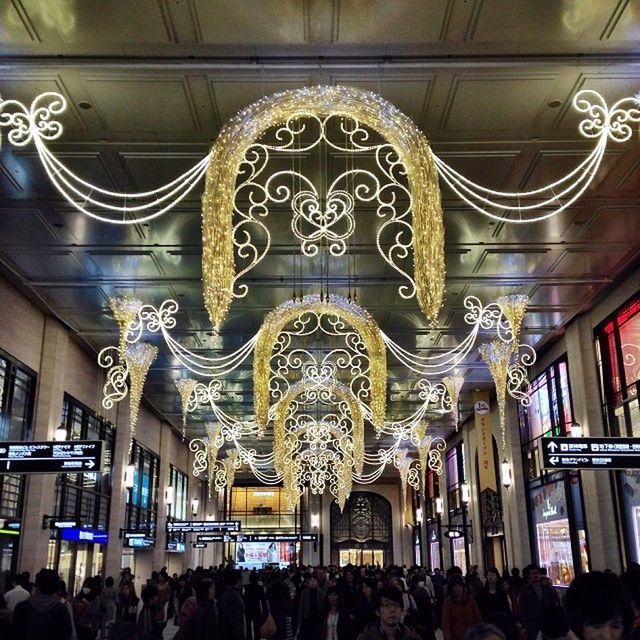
column 175, row 546
column 203, row 526
column 75, row 534
column 10, row 527
column 258, row 537
column 591, row 453
column 199, row 545
column 138, row 540
column 73, row 456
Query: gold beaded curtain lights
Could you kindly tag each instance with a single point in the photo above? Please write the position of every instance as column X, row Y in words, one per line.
column 218, row 267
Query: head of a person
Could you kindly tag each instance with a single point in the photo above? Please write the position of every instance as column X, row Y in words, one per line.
column 455, row 586
column 533, row 574
column 205, row 591
column 515, row 572
column 631, row 582
column 108, row 582
column 125, row 590
column 312, row 582
column 493, row 576
column 234, row 579
column 47, row 581
column 484, row 632
column 149, row 594
column 368, row 587
column 388, row 606
column 254, row 577
column 321, row 574
column 598, row 607
column 333, row 597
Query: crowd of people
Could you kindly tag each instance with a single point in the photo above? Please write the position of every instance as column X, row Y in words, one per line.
column 318, row 603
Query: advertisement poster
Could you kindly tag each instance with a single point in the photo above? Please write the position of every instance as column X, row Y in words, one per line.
column 261, row 554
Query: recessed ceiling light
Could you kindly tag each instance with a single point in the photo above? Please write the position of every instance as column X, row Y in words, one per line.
column 554, row 104
column 85, row 105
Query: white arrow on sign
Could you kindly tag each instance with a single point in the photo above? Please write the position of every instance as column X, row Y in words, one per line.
column 553, row 460
column 552, row 445
column 90, row 464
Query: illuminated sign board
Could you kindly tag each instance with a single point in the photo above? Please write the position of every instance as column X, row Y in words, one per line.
column 203, row 526
column 199, row 545
column 138, row 540
column 84, row 535
column 591, row 453
column 175, row 547
column 72, row 456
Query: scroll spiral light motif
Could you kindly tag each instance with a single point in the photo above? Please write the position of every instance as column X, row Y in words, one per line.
column 351, row 313
column 228, row 152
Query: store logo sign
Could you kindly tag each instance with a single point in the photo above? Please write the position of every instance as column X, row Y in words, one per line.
column 481, row 407
column 550, row 510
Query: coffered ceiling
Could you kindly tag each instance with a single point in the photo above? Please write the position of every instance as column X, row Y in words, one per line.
column 150, row 83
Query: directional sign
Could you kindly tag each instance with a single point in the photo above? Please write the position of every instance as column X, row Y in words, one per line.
column 591, row 453
column 138, row 540
column 215, row 537
column 199, row 545
column 203, row 526
column 72, row 456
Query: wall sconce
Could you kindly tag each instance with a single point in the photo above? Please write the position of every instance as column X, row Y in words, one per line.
column 129, row 476
column 575, row 430
column 315, row 520
column 169, row 493
column 439, row 506
column 60, row 434
column 195, row 503
column 419, row 515
column 465, row 493
column 506, row 474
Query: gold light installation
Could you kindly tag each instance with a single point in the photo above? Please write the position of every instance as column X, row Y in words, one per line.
column 353, row 315
column 513, row 308
column 228, row 152
column 453, row 385
column 497, row 355
column 125, row 311
column 214, row 443
column 186, row 387
column 138, row 358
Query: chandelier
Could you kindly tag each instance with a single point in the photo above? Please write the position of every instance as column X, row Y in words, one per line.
column 319, row 416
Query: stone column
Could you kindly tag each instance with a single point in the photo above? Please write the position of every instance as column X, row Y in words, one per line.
column 164, row 452
column 40, row 488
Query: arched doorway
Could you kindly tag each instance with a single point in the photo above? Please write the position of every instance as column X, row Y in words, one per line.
column 363, row 532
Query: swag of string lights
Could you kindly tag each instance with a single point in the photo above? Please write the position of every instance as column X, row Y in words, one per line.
column 325, row 449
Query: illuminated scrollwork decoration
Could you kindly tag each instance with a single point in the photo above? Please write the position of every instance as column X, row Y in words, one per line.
column 368, row 110
column 350, row 313
column 513, row 309
column 115, row 387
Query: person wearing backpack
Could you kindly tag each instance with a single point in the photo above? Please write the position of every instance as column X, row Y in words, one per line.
column 43, row 616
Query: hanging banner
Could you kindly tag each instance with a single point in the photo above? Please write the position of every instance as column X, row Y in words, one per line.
column 486, row 461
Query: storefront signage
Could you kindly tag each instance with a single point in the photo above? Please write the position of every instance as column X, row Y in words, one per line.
column 549, row 510
column 484, row 429
column 10, row 527
column 138, row 540
column 202, row 526
column 75, row 534
column 63, row 524
column 453, row 534
column 591, row 453
column 75, row 456
column 309, row 537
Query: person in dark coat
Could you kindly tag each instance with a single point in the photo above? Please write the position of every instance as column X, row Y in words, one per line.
column 231, row 608
column 280, row 607
column 203, row 623
column 310, row 611
column 43, row 616
column 255, row 606
column 336, row 620
column 536, row 597
column 364, row 613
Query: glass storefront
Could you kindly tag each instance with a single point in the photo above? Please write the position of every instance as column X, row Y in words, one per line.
column 372, row 557
column 618, row 352
column 556, row 514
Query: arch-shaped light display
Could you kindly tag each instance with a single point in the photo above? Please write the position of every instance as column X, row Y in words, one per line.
column 218, row 268
column 349, row 312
